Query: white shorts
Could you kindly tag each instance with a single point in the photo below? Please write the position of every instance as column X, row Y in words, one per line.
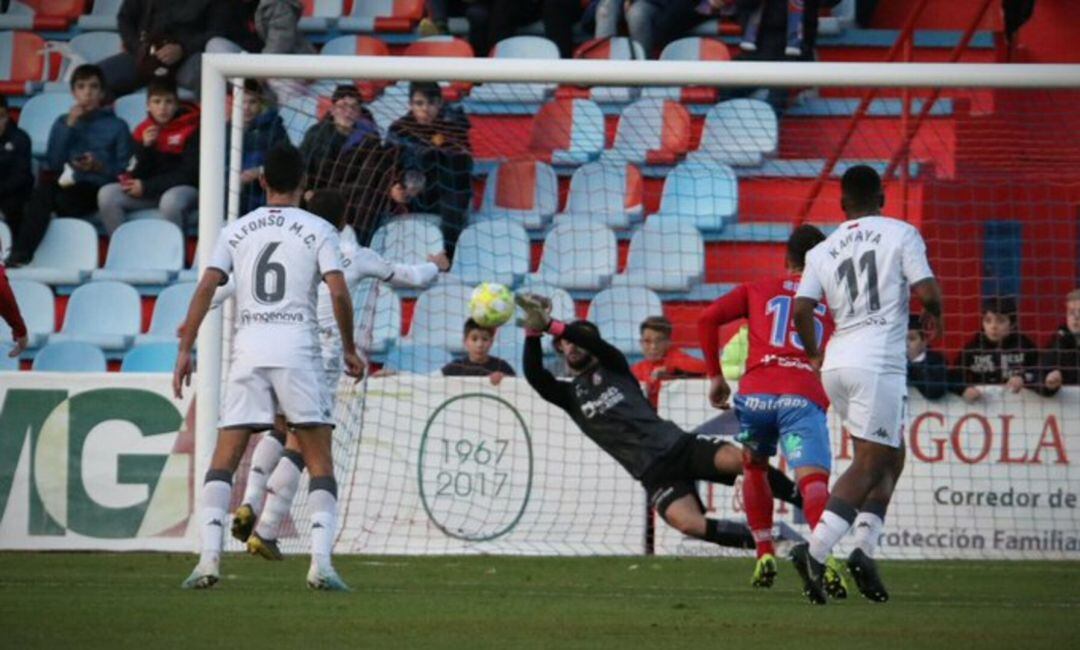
column 254, row 395
column 332, row 363
column 871, row 406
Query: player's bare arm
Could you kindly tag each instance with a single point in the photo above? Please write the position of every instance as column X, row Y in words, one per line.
column 200, row 305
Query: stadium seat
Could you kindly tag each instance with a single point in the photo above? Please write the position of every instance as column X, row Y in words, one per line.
column 170, row 309
column 651, row 131
column 352, row 45
column 67, row 254
column 131, row 108
column 37, row 305
column 518, row 47
column 606, row 192
column 439, row 315
column 190, row 274
column 578, row 254
column 705, row 195
column 618, row 313
column 70, row 356
column 91, row 47
column 664, row 256
column 691, row 48
column 5, row 239
column 440, row 46
column 738, row 132
column 526, row 191
column 418, row 359
column 562, row 304
column 382, row 16
column 492, row 251
column 151, row 357
column 147, row 251
column 567, row 132
column 105, row 314
column 378, row 316
column 40, row 113
column 321, row 15
column 617, row 48
column 23, row 63
column 41, row 15
column 408, row 239
column 7, row 364
column 299, row 113
column 102, row 16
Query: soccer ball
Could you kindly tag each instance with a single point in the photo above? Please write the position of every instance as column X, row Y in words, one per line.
column 491, row 304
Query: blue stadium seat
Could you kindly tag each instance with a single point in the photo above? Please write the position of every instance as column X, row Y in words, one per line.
column 151, row 357
column 148, row 251
column 705, row 195
column 17, row 15
column 738, row 132
column 102, row 16
column 321, row 15
column 492, row 251
column 38, row 116
column 131, row 108
column 190, row 274
column 299, row 114
column 7, row 364
column 67, row 254
column 578, row 254
column 105, row 314
column 70, row 356
column 618, row 48
column 618, row 313
column 377, row 310
column 419, row 359
column 170, row 308
column 382, row 16
column 568, row 132
column 440, row 315
column 526, row 191
column 518, row 47
column 37, row 306
column 651, row 130
column 408, row 240
column 92, row 47
column 664, row 255
column 562, row 304
column 606, row 192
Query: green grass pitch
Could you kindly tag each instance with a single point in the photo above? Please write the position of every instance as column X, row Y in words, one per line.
column 54, row 600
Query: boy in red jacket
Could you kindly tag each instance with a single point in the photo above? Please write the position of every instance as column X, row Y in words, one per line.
column 166, row 162
column 662, row 359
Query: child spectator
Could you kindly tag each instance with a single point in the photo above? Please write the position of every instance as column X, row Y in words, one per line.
column 478, row 361
column 91, row 146
column 263, row 129
column 166, row 162
column 927, row 370
column 662, row 360
column 16, row 177
column 998, row 354
column 1061, row 359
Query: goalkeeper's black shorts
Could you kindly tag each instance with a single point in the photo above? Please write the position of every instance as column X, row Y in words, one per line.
column 675, row 475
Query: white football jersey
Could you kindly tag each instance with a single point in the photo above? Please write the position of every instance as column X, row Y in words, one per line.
column 278, row 257
column 864, row 271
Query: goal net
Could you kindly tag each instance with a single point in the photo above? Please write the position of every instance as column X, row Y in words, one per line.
column 629, row 190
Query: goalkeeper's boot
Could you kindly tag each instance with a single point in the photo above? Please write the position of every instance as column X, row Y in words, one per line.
column 325, row 579
column 203, row 577
column 835, row 584
column 811, row 572
column 764, row 572
column 264, row 548
column 864, row 570
column 243, row 523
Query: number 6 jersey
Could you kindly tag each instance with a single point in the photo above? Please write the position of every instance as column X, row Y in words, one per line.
column 864, row 270
column 278, row 256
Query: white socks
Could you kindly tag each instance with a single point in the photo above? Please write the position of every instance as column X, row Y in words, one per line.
column 322, row 500
column 281, row 488
column 213, row 512
column 868, row 528
column 830, row 529
column 266, row 455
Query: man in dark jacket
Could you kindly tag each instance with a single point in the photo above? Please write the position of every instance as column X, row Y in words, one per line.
column 323, row 141
column 16, row 177
column 263, row 130
column 163, row 38
column 1061, row 359
column 166, row 162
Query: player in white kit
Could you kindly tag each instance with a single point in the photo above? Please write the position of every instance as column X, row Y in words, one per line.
column 278, row 255
column 865, row 271
column 276, row 464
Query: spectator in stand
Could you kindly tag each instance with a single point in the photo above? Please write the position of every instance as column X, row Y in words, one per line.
column 16, row 175
column 166, row 162
column 490, row 21
column 662, row 359
column 323, row 141
column 434, row 140
column 477, row 361
column 163, row 38
column 1061, row 359
column 90, row 146
column 793, row 30
column 927, row 369
column 560, row 16
column 263, row 129
column 9, row 311
column 999, row 354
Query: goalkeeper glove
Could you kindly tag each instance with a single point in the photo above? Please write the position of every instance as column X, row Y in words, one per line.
column 537, row 310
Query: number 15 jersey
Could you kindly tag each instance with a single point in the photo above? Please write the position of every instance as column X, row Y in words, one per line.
column 864, row 270
column 278, row 256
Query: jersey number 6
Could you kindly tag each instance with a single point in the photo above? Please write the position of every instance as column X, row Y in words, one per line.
column 269, row 276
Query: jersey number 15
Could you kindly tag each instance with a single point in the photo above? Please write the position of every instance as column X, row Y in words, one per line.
column 780, row 310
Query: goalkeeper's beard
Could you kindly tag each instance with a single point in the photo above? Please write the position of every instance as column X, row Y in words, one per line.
column 579, row 361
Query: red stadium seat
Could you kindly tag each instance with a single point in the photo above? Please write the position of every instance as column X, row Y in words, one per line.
column 568, row 131
column 321, row 15
column 352, row 45
column 382, row 16
column 42, row 15
column 23, row 62
column 691, row 48
column 651, row 131
column 443, row 46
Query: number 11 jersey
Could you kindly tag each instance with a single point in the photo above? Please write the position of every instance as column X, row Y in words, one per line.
column 278, row 256
column 864, row 271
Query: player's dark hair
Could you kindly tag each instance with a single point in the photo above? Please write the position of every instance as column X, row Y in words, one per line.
column 1001, row 305
column 657, row 324
column 861, row 190
column 87, row 71
column 161, row 86
column 800, row 242
column 472, row 326
column 430, row 90
column 284, row 168
column 328, row 204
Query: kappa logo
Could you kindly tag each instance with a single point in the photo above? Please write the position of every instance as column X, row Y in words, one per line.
column 880, row 433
